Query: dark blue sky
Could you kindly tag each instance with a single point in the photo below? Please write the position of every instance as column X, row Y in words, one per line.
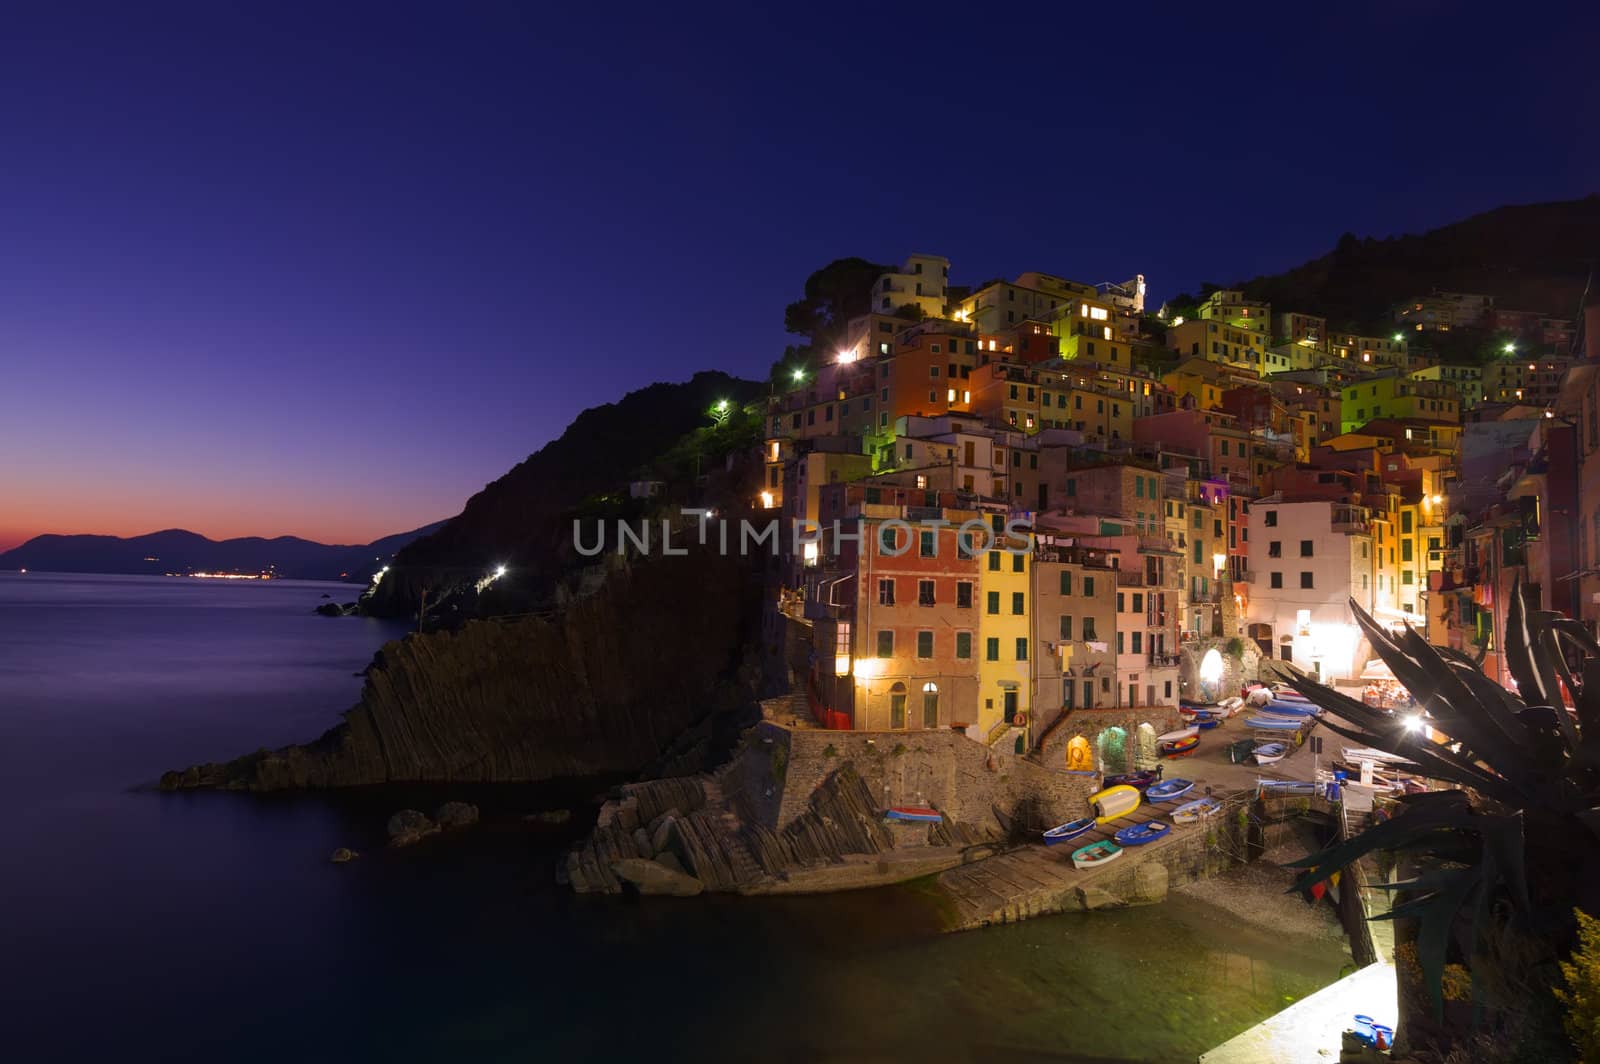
column 327, row 270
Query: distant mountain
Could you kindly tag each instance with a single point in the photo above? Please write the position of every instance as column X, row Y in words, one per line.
column 1535, row 257
column 178, row 551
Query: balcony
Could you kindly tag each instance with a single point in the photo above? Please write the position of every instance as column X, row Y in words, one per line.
column 1163, row 661
column 1246, row 577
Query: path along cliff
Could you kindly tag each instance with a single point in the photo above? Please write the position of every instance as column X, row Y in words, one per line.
column 604, row 687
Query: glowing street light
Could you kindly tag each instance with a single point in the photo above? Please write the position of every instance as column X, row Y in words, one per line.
column 1398, row 337
column 1511, row 349
column 499, row 571
column 799, row 375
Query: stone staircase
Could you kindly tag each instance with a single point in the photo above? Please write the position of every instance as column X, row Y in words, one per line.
column 1005, row 739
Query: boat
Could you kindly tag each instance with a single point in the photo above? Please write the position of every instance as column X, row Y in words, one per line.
column 1139, row 834
column 1140, row 779
column 1167, row 790
column 1229, row 706
column 1190, row 708
column 1070, row 830
column 1269, row 753
column 1174, row 736
column 1096, row 853
column 1274, row 723
column 1196, row 811
column 1240, row 750
column 919, row 813
column 1286, row 787
column 1291, row 709
column 1114, row 802
column 1206, row 722
column 1179, row 747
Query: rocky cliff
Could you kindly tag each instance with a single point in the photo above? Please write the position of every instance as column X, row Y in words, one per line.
column 604, row 687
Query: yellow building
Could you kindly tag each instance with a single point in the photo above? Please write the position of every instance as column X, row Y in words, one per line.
column 1393, row 395
column 1220, row 342
column 1230, row 307
column 1005, row 633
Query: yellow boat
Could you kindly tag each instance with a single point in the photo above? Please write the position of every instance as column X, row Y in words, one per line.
column 1114, row 802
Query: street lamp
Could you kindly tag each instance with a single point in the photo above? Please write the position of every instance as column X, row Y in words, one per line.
column 1511, row 348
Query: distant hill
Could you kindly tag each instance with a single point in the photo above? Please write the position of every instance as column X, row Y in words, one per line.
column 1534, row 257
column 521, row 518
column 178, row 551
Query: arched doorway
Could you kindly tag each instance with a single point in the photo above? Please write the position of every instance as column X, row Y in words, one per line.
column 1079, row 759
column 1211, row 673
column 1112, row 747
column 930, row 705
column 1145, row 747
column 897, row 706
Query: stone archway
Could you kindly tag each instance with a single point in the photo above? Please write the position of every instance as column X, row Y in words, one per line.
column 1111, row 747
column 1144, row 747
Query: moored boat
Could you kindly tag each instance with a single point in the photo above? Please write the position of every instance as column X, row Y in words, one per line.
column 1174, row 736
column 1139, row 834
column 1178, row 747
column 919, row 813
column 1274, row 723
column 1096, row 853
column 1291, row 709
column 1269, row 753
column 1197, row 810
column 1114, row 802
column 1140, row 780
column 1239, row 751
column 1205, row 721
column 1167, row 790
column 1070, row 830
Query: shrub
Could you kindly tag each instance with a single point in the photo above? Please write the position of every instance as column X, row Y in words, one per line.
column 1582, row 993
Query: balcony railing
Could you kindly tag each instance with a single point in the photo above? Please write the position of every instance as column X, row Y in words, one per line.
column 1164, row 661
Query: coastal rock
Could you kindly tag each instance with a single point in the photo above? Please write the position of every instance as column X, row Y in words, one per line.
column 452, row 815
column 641, row 842
column 409, row 826
column 670, row 860
column 343, row 854
column 662, row 837
column 1150, row 882
column 1088, row 899
column 550, row 816
column 603, row 688
column 652, row 877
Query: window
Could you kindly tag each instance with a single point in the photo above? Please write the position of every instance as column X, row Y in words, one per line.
column 897, row 710
column 1066, row 626
column 1138, row 602
column 1088, row 586
column 888, row 540
column 991, row 649
column 964, row 646
column 924, row 592
column 1405, row 552
column 1120, row 642
column 1018, row 602
column 1405, row 576
column 1088, row 629
column 992, row 602
column 1277, row 580
column 886, row 644
column 1122, row 602
column 1066, row 582
column 886, row 592
column 927, row 545
column 994, row 561
column 964, row 595
column 1017, row 560
column 1305, row 548
column 1138, row 639
column 1305, row 580
column 1022, row 648
column 924, row 644
column 1270, row 518
column 1275, row 549
column 930, row 705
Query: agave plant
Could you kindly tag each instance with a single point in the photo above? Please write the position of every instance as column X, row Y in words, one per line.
column 1518, row 845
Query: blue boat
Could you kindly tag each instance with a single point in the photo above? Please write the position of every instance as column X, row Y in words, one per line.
column 1197, row 810
column 1168, row 790
column 1140, row 834
column 1205, row 722
column 1291, row 709
column 1069, row 830
column 1269, row 753
column 1274, row 723
column 918, row 813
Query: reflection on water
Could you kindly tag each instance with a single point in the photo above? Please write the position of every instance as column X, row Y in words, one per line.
column 145, row 926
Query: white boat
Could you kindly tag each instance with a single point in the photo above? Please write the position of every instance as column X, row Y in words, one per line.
column 1096, row 853
column 1181, row 733
column 1270, row 753
column 1196, row 811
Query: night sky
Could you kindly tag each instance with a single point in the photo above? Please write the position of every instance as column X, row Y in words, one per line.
column 327, row 270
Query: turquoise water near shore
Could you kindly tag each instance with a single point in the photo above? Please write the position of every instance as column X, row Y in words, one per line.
column 137, row 926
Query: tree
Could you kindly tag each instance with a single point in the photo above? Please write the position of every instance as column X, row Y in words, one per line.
column 834, row 294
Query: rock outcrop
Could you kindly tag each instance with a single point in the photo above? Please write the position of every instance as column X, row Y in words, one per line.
column 605, row 687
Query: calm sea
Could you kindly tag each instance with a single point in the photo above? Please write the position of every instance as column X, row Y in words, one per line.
column 137, row 926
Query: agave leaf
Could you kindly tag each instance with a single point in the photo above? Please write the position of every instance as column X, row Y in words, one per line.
column 1438, row 763
column 1463, row 715
column 1390, row 834
column 1436, row 916
column 1588, row 701
column 1517, row 646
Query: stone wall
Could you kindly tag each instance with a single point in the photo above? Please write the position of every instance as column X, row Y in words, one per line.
column 961, row 778
column 1089, row 723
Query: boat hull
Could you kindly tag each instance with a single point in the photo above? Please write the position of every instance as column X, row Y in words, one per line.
column 1096, row 854
column 1142, row 834
column 1114, row 802
column 1167, row 790
column 1067, row 832
column 914, row 813
column 1197, row 810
